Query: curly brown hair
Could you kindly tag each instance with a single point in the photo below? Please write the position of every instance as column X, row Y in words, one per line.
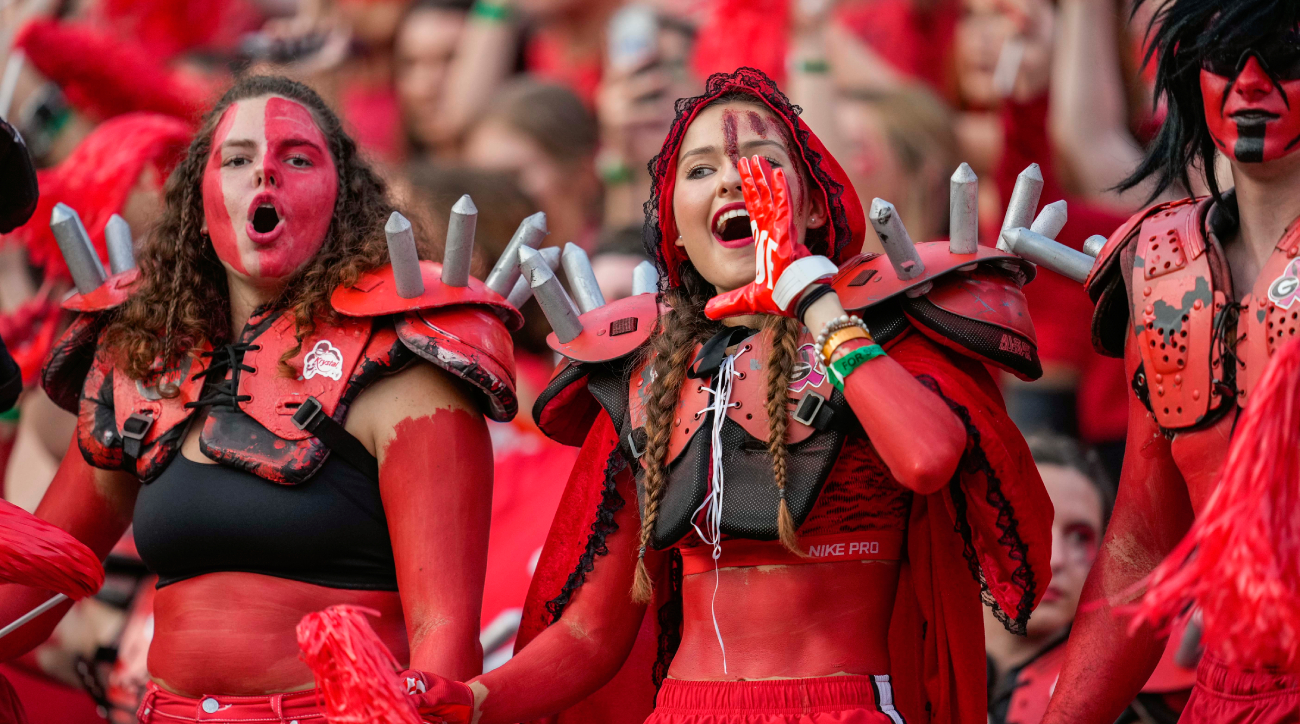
column 181, row 300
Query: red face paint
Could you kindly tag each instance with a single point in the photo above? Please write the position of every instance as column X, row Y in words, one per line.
column 757, row 124
column 1252, row 117
column 270, row 187
column 730, row 137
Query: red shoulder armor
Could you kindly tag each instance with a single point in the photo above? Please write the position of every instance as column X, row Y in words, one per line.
column 471, row 343
column 1174, row 302
column 108, row 295
column 981, row 314
column 1105, row 282
column 868, row 279
column 970, row 303
column 612, row 331
column 375, row 294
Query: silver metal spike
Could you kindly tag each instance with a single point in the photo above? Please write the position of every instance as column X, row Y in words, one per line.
column 83, row 263
column 645, row 279
column 582, row 280
column 404, row 257
column 1093, row 245
column 1051, row 219
column 121, row 248
column 894, row 237
column 964, row 211
column 551, row 297
column 1048, row 253
column 522, row 291
column 459, row 252
column 531, row 232
column 1024, row 201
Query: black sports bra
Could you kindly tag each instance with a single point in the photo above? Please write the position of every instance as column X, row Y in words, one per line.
column 198, row 518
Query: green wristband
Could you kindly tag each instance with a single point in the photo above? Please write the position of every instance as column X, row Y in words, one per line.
column 814, row 66
column 841, row 368
column 494, row 12
column 10, row 415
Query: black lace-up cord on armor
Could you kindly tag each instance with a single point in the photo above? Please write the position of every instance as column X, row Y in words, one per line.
column 1225, row 340
column 225, row 393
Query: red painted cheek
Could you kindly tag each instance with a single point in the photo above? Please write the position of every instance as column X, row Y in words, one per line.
column 220, row 228
column 305, row 196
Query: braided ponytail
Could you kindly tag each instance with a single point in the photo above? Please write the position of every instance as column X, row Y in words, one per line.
column 780, row 366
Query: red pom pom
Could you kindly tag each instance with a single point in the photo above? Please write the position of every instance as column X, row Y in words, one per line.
column 355, row 672
column 97, row 178
column 1241, row 560
column 41, row 555
column 106, row 75
column 744, row 33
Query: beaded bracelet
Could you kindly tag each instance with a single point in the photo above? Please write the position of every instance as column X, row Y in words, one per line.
column 496, row 12
column 841, row 368
column 838, row 323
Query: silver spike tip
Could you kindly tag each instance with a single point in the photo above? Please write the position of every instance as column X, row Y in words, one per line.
column 121, row 247
column 1093, row 245
column 881, row 211
column 533, row 265
column 78, row 252
column 896, row 241
column 531, row 233
column 404, row 257
column 464, row 206
column 397, row 223
column 1051, row 219
column 551, row 297
column 1048, row 253
column 1032, row 172
column 538, row 221
column 582, row 279
column 645, row 279
column 964, row 174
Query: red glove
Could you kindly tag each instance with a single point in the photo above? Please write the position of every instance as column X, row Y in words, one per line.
column 767, row 199
column 439, row 699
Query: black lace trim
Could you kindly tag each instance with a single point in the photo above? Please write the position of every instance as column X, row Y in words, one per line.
column 670, row 620
column 756, row 82
column 610, row 503
column 976, row 461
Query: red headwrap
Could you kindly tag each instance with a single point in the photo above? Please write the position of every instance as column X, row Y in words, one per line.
column 838, row 240
column 97, row 179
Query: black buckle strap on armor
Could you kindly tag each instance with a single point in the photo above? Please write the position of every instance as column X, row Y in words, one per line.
column 311, row 417
column 815, row 411
column 134, row 430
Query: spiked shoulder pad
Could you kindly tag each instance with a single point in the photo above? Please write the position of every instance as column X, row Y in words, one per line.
column 112, row 293
column 612, row 331
column 375, row 294
column 869, row 279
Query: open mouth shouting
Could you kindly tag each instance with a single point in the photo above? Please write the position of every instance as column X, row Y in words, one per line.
column 264, row 221
column 731, row 226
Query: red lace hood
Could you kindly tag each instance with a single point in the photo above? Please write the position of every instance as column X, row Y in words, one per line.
column 838, row 240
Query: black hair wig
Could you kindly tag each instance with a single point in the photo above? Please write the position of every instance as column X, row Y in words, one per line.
column 1182, row 34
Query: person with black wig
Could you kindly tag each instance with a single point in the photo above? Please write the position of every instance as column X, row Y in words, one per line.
column 1197, row 295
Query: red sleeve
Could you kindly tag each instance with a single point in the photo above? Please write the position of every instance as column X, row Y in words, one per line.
column 987, row 535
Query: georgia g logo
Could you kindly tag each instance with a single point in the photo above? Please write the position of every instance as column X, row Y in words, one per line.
column 325, row 360
column 1284, row 290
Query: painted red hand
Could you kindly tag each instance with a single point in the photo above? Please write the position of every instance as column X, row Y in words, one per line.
column 439, row 699
column 767, row 199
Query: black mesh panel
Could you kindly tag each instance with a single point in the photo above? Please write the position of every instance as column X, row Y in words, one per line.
column 983, row 339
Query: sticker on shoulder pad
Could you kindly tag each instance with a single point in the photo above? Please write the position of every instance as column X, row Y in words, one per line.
column 325, row 360
column 808, row 369
column 1285, row 289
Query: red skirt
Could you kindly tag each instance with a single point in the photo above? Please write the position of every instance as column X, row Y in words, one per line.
column 162, row 707
column 825, row 700
column 1230, row 695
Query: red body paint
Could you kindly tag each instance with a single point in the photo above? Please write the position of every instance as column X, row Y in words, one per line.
column 730, row 136
column 1252, row 118
column 268, row 152
column 435, row 478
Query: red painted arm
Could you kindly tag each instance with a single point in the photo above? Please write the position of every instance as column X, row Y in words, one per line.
column 917, row 436
column 93, row 505
column 1105, row 667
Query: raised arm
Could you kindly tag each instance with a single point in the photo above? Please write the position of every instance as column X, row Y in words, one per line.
column 582, row 651
column 483, row 60
column 1105, row 666
column 95, row 506
column 435, row 480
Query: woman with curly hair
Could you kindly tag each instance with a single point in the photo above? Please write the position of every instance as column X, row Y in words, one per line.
column 255, row 401
column 804, row 496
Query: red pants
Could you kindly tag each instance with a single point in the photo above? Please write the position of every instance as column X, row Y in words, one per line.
column 1230, row 695
column 826, row 700
column 161, row 707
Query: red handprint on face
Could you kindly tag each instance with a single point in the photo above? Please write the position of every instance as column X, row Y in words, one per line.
column 767, row 199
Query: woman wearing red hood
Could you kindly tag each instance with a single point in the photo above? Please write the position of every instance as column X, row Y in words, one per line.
column 812, row 493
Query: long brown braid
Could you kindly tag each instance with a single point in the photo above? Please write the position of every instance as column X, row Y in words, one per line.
column 672, row 348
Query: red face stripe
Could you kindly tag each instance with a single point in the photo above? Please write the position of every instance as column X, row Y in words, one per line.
column 730, row 134
column 1251, row 117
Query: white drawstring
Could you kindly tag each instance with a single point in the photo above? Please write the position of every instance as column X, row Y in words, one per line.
column 712, row 505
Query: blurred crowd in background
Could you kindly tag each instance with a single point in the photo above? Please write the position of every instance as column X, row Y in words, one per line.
column 557, row 106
